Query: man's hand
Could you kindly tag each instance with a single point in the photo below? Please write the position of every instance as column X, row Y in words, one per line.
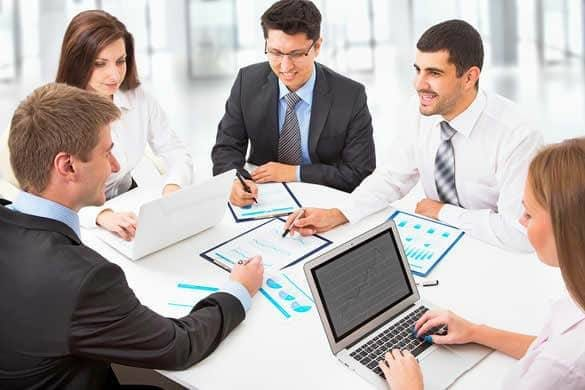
column 314, row 221
column 429, row 208
column 123, row 224
column 170, row 188
column 250, row 274
column 402, row 371
column 274, row 172
column 240, row 197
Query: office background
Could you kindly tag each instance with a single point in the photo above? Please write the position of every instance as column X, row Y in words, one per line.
column 190, row 50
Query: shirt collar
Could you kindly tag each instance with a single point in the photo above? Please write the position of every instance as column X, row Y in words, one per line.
column 121, row 100
column 28, row 203
column 465, row 122
column 566, row 314
column 305, row 92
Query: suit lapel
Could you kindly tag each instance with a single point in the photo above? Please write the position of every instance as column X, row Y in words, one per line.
column 268, row 100
column 319, row 111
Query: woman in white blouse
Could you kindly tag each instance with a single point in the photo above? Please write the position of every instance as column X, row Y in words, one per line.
column 555, row 223
column 98, row 54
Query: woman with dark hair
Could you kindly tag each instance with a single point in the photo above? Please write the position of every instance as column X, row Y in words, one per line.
column 554, row 218
column 98, row 54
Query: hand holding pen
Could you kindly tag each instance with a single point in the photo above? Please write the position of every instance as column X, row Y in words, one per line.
column 289, row 224
column 249, row 273
column 244, row 192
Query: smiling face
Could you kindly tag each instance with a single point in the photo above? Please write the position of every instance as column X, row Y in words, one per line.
column 293, row 73
column 439, row 89
column 539, row 229
column 109, row 69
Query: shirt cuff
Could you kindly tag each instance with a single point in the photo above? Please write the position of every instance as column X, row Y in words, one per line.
column 451, row 214
column 239, row 291
column 298, row 173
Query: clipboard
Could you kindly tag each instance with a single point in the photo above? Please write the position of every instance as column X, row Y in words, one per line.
column 275, row 258
column 254, row 212
column 425, row 241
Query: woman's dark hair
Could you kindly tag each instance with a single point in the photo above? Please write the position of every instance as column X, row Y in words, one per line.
column 89, row 33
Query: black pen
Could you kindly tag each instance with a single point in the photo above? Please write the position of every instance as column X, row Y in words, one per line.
column 287, row 230
column 246, row 188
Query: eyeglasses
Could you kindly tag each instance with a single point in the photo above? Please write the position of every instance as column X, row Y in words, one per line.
column 295, row 55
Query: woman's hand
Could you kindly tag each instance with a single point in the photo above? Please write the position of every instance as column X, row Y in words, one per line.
column 402, row 371
column 123, row 223
column 459, row 331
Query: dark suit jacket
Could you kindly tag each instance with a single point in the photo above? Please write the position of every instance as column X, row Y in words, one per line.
column 66, row 313
column 341, row 144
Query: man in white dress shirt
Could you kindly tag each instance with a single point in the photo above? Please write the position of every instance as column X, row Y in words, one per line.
column 470, row 148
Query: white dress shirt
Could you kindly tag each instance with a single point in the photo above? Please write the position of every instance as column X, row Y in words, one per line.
column 556, row 359
column 142, row 121
column 493, row 147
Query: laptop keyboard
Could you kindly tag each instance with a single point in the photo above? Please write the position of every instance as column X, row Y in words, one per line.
column 114, row 239
column 398, row 336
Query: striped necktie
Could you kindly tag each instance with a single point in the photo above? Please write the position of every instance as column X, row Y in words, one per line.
column 445, row 167
column 289, row 143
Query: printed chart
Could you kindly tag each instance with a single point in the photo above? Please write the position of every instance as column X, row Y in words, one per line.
column 274, row 199
column 185, row 295
column 425, row 241
column 266, row 240
column 286, row 296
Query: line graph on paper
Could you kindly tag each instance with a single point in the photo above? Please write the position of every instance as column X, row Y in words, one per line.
column 266, row 241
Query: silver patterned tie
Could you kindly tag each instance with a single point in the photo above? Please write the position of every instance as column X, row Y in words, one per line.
column 445, row 167
column 289, row 143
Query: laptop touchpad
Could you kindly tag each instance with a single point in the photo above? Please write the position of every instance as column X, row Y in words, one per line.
column 440, row 368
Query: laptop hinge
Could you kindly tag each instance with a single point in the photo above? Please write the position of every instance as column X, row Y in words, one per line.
column 381, row 325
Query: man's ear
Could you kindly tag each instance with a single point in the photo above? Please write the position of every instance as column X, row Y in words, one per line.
column 471, row 76
column 317, row 46
column 64, row 166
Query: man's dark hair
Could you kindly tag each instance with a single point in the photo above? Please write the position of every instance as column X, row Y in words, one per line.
column 459, row 38
column 293, row 17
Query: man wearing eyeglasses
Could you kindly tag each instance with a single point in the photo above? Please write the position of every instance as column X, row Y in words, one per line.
column 303, row 121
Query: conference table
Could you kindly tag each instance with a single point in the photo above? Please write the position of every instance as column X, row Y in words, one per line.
column 478, row 281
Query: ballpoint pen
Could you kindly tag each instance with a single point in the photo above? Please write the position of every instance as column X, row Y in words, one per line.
column 287, row 230
column 428, row 283
column 246, row 187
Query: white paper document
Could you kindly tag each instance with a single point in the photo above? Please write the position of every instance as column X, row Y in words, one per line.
column 274, row 199
column 286, row 295
column 425, row 242
column 266, row 240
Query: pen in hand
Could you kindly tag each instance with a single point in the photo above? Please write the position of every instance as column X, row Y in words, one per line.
column 299, row 215
column 246, row 187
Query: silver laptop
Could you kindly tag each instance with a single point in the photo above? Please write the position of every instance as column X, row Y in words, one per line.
column 169, row 219
column 368, row 303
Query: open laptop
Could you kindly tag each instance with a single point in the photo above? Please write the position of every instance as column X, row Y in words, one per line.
column 368, row 303
column 169, row 219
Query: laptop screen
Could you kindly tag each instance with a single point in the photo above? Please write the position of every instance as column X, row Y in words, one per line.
column 361, row 283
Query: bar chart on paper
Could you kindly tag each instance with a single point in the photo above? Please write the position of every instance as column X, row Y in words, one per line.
column 425, row 241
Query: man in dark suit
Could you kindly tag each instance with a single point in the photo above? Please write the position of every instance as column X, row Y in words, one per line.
column 67, row 313
column 304, row 122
